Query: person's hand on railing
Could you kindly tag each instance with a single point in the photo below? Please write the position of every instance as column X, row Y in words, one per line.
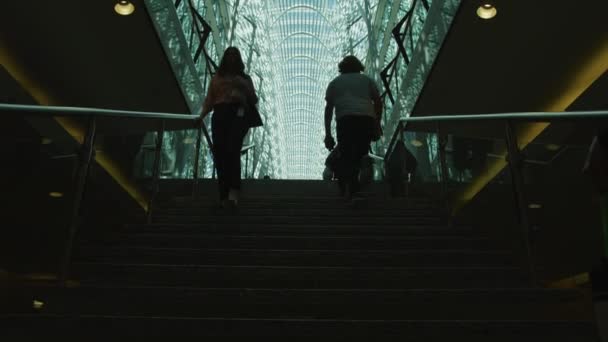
column 330, row 143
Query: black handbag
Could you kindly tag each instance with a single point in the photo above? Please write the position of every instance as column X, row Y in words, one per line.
column 252, row 116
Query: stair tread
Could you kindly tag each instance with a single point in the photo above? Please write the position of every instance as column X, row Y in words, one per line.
column 285, row 265
column 302, row 328
column 300, row 227
column 295, row 257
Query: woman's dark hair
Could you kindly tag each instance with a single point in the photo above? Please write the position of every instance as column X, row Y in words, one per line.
column 350, row 64
column 232, row 63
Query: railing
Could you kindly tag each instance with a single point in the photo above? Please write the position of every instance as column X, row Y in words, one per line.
column 87, row 151
column 402, row 33
column 197, row 35
column 245, row 151
column 519, row 131
column 418, row 36
column 186, row 37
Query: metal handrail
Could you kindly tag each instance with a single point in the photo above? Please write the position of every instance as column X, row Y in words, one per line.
column 87, row 152
column 515, row 159
column 246, row 149
column 531, row 116
column 36, row 110
column 524, row 116
column 63, row 111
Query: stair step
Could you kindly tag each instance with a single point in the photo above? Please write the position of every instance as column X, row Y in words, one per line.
column 296, row 261
column 261, row 187
column 294, row 202
column 299, row 277
column 299, row 329
column 301, row 229
column 284, row 257
column 286, row 219
column 415, row 304
column 303, row 241
column 297, row 211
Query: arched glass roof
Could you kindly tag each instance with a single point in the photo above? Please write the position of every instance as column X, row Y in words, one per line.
column 291, row 49
column 303, row 42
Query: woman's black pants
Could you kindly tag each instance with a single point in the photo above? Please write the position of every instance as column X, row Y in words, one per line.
column 228, row 131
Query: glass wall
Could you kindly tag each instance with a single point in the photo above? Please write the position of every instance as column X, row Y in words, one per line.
column 291, row 49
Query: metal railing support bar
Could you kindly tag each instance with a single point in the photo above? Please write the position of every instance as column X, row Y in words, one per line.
column 156, row 169
column 197, row 152
column 210, row 143
column 515, row 160
column 445, row 177
column 247, row 164
column 84, row 163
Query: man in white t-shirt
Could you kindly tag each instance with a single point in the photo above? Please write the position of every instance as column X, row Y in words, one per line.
column 358, row 107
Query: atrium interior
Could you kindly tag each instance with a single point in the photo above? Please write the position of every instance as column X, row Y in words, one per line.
column 487, row 203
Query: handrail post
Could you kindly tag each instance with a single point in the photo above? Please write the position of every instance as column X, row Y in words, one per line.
column 247, row 164
column 515, row 160
column 443, row 142
column 156, row 169
column 252, row 173
column 87, row 149
column 401, row 129
column 196, row 161
column 208, row 138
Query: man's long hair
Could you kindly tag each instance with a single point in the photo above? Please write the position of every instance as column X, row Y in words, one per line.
column 231, row 63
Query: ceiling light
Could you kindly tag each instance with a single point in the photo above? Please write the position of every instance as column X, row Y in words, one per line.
column 46, row 141
column 124, row 7
column 535, row 206
column 552, row 147
column 56, row 194
column 36, row 304
column 416, row 143
column 487, row 11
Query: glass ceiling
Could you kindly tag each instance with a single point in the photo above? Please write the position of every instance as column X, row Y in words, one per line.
column 291, row 49
column 299, row 44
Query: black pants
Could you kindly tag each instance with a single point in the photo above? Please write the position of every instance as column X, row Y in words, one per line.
column 354, row 138
column 228, row 132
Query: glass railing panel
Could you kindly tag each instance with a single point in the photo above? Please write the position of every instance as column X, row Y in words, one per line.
column 36, row 173
column 177, row 48
column 537, row 201
column 423, row 40
column 563, row 204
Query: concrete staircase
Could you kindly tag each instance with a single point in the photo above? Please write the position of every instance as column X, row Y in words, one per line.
column 296, row 262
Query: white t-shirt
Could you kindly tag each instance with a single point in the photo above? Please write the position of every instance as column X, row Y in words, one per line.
column 351, row 94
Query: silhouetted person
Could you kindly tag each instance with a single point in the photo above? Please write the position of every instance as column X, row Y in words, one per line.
column 358, row 107
column 232, row 98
